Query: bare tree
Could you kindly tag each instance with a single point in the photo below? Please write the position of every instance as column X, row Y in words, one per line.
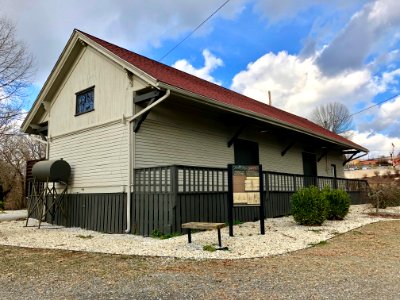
column 15, row 151
column 16, row 66
column 333, row 116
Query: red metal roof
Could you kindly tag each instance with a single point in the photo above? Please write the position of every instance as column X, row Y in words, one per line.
column 193, row 84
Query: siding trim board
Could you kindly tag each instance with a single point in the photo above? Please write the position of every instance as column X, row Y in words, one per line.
column 87, row 129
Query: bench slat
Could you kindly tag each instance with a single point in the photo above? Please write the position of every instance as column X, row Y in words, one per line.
column 203, row 225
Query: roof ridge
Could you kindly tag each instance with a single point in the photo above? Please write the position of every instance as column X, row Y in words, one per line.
column 175, row 70
column 167, row 66
column 181, row 79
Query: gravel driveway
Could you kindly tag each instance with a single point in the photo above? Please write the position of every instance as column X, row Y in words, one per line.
column 282, row 235
column 9, row 215
column 361, row 264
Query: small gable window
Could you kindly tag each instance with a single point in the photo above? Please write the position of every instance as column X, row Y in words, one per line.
column 84, row 101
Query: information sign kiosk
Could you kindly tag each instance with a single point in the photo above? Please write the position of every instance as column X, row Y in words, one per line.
column 245, row 188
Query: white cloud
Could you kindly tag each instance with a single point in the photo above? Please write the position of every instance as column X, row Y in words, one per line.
column 389, row 111
column 285, row 9
column 298, row 85
column 211, row 62
column 369, row 31
column 385, row 119
column 45, row 25
column 390, row 78
column 378, row 144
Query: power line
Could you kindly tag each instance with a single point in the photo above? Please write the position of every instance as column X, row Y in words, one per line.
column 194, row 30
column 376, row 104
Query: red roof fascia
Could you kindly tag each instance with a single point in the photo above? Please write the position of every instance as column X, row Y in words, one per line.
column 193, row 84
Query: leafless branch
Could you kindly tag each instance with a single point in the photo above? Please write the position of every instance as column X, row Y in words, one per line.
column 333, row 116
column 16, row 68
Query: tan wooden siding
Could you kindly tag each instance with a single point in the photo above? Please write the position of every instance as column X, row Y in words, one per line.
column 272, row 160
column 98, row 158
column 325, row 165
column 198, row 137
column 113, row 93
column 270, row 149
column 160, row 144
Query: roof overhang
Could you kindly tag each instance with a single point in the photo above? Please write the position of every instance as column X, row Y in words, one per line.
column 79, row 41
column 254, row 115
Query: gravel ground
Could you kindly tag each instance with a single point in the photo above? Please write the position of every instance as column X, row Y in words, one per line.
column 361, row 264
column 9, row 215
column 282, row 235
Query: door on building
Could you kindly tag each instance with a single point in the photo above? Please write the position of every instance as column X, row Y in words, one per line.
column 246, row 152
column 309, row 169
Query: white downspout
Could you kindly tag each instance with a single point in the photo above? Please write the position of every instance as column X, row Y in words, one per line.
column 131, row 164
column 130, row 170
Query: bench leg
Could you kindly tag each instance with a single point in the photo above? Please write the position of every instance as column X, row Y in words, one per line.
column 219, row 238
column 189, row 235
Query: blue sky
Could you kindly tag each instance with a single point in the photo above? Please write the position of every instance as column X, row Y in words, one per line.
column 307, row 53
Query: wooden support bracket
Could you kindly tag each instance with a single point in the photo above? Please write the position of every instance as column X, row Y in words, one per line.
column 351, row 157
column 236, row 135
column 146, row 96
column 350, row 151
column 360, row 156
column 143, row 117
column 284, row 151
column 324, row 153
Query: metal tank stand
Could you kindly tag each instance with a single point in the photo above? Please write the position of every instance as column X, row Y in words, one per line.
column 55, row 204
column 46, row 202
column 36, row 201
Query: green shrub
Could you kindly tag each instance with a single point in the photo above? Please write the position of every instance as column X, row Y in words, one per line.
column 308, row 207
column 338, row 203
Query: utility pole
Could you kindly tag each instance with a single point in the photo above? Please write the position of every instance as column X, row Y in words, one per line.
column 392, row 155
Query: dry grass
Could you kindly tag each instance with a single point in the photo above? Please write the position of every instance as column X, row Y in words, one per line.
column 367, row 257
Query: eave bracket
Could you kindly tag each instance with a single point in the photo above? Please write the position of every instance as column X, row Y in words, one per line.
column 236, row 135
column 140, row 120
column 287, row 148
column 324, row 153
column 142, row 98
column 354, row 153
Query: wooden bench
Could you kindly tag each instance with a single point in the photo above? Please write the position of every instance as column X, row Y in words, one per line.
column 203, row 226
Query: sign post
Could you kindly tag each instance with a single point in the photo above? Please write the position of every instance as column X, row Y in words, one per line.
column 262, row 202
column 230, row 200
column 245, row 188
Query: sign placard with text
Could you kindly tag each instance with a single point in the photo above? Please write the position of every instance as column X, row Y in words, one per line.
column 245, row 189
column 246, row 185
